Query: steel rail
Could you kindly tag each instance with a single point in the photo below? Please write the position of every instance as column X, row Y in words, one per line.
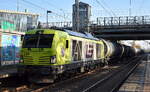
column 101, row 81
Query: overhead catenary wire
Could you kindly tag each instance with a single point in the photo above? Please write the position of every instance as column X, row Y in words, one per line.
column 26, row 6
column 34, row 4
column 55, row 7
column 37, row 6
column 108, row 7
column 141, row 6
column 112, row 14
column 130, row 7
column 51, row 5
column 96, row 11
column 104, row 7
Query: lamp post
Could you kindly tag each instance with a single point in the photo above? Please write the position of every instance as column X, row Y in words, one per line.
column 48, row 11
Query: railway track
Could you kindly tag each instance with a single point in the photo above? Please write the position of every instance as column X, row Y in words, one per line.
column 87, row 82
column 20, row 84
column 112, row 82
column 25, row 86
column 107, row 80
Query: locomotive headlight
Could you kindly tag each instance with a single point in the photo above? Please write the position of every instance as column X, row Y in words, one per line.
column 21, row 59
column 53, row 59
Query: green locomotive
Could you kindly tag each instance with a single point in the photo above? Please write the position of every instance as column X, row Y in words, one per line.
column 48, row 52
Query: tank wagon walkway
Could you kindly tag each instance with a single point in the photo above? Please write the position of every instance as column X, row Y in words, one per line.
column 139, row 80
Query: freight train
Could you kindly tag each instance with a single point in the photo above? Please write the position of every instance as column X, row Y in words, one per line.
column 48, row 53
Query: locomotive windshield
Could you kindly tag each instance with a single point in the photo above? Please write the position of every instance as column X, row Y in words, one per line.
column 38, row 41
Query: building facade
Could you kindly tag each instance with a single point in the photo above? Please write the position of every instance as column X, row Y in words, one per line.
column 84, row 16
column 13, row 25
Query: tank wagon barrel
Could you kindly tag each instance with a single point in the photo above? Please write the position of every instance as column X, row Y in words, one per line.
column 116, row 51
column 113, row 50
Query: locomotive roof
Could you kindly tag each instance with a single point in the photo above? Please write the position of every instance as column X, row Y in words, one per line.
column 83, row 35
column 73, row 33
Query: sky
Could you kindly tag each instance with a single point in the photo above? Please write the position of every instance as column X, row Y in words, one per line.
column 62, row 9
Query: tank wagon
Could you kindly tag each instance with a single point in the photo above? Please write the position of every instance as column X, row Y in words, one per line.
column 48, row 53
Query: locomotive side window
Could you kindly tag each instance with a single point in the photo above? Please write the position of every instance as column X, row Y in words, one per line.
column 67, row 43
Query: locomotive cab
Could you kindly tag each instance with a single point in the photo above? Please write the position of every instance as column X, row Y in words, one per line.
column 45, row 48
column 44, row 52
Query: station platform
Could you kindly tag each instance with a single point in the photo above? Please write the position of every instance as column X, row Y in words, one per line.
column 139, row 80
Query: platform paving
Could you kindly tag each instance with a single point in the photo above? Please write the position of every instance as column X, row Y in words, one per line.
column 139, row 80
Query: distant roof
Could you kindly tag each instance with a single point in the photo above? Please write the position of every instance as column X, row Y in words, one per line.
column 82, row 3
column 15, row 12
column 83, row 35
